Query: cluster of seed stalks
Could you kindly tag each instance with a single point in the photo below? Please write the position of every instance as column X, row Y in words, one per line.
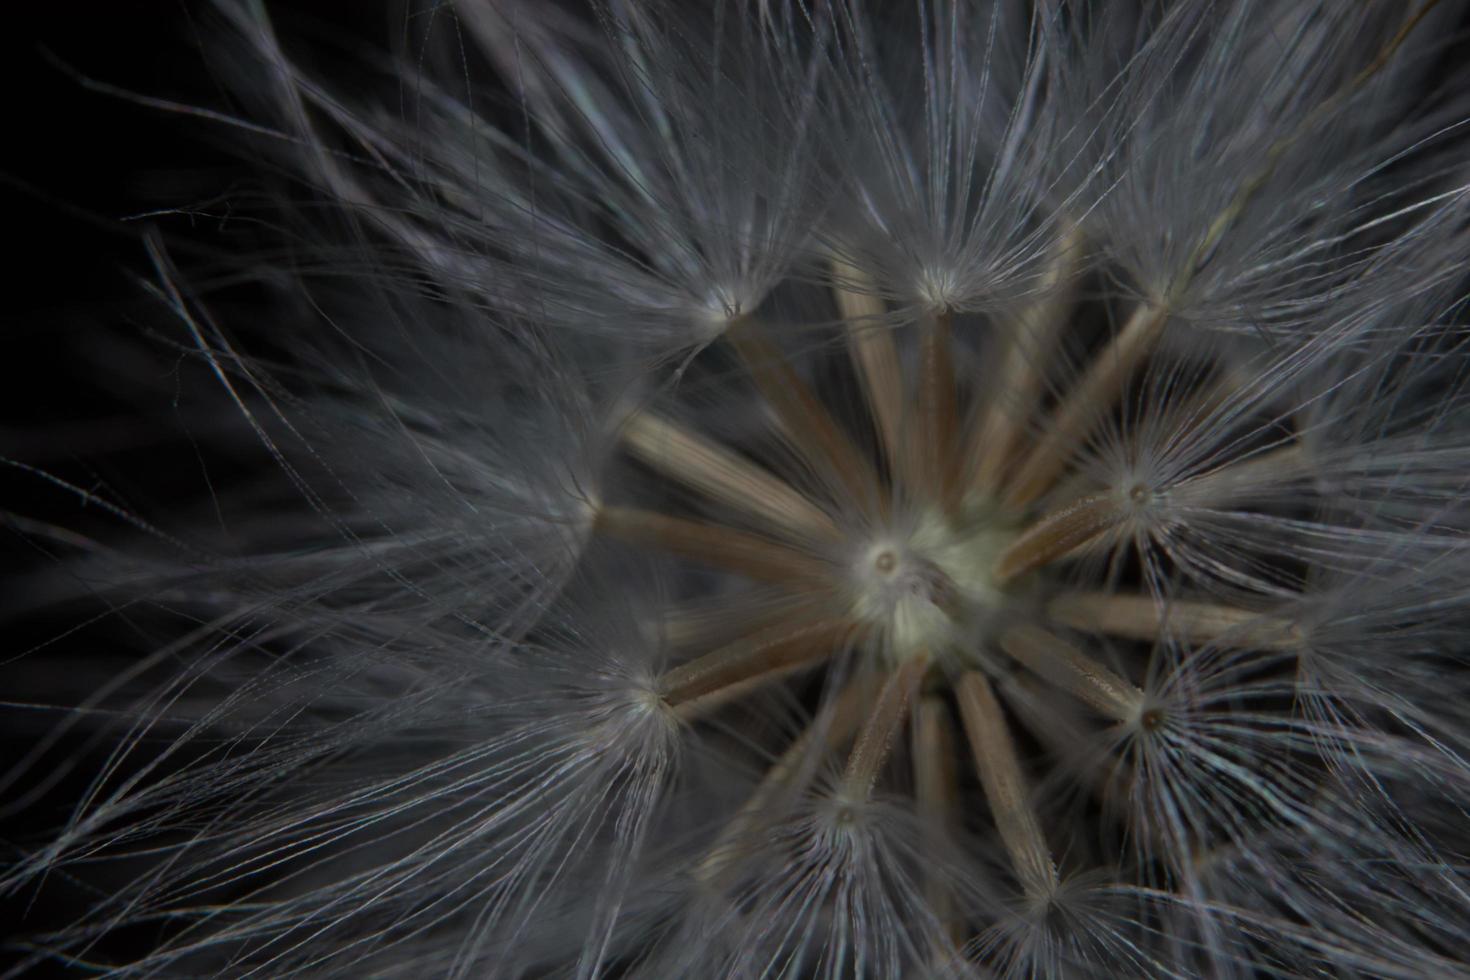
column 930, row 563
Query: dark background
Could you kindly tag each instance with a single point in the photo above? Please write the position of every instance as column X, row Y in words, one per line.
column 82, row 169
column 83, row 173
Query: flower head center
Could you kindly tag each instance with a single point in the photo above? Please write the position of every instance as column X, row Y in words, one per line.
column 922, row 590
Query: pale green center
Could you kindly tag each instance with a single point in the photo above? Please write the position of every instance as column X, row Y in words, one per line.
column 925, row 588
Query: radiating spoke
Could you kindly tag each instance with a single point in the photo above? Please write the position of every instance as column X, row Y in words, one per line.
column 936, row 792
column 758, row 658
column 1016, row 386
column 1058, row 661
column 933, row 469
column 1058, row 534
column 751, row 555
column 833, row 724
column 1034, row 702
column 1005, row 786
column 874, row 354
column 804, row 419
column 1143, row 617
column 880, row 730
column 1085, row 403
column 1243, row 478
column 724, row 476
column 708, row 624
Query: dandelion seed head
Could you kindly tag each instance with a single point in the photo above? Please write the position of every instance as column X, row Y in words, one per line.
column 971, row 490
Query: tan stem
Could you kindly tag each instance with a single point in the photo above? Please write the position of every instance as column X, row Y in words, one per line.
column 1058, row 534
column 733, row 693
column 885, row 720
column 834, row 724
column 724, row 476
column 766, row 652
column 936, row 792
column 1005, row 786
column 935, row 788
column 1067, row 667
column 870, row 342
column 1016, row 385
column 685, row 628
column 1084, row 404
column 1034, row 703
column 804, row 419
column 709, row 624
column 751, row 555
column 1142, row 617
column 1244, row 478
column 938, row 411
column 1070, row 740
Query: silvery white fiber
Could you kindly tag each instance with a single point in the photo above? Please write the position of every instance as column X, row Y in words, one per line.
column 961, row 488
